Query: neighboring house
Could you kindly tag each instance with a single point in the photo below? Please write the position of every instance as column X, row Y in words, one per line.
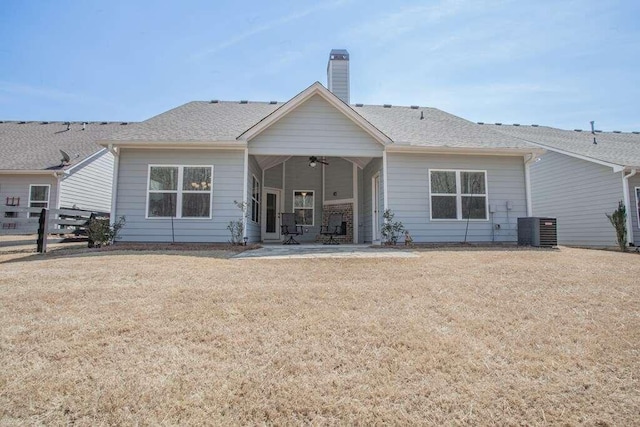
column 579, row 181
column 177, row 175
column 34, row 173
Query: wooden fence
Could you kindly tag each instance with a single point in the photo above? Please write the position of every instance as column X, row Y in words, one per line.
column 68, row 224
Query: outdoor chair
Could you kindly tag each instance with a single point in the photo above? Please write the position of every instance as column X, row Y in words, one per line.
column 333, row 228
column 290, row 228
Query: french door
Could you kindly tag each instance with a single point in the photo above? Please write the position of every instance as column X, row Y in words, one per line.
column 271, row 215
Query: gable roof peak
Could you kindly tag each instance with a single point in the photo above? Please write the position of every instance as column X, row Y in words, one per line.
column 314, row 89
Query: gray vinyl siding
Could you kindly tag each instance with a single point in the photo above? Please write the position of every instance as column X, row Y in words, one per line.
column 373, row 167
column 409, row 196
column 578, row 193
column 89, row 186
column 633, row 201
column 132, row 195
column 18, row 186
column 315, row 128
column 338, row 79
column 300, row 177
column 273, row 177
column 253, row 228
column 338, row 179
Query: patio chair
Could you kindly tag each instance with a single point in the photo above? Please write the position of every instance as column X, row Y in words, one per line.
column 333, row 228
column 290, row 228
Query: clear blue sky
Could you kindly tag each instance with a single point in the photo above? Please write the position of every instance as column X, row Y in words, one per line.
column 557, row 63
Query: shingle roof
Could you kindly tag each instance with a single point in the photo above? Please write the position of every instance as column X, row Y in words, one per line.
column 199, row 121
column 226, row 120
column 436, row 129
column 36, row 145
column 612, row 147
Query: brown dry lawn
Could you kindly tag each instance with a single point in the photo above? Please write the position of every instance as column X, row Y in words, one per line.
column 495, row 336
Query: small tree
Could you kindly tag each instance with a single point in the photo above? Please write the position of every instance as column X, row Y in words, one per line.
column 391, row 229
column 619, row 221
column 236, row 228
column 101, row 233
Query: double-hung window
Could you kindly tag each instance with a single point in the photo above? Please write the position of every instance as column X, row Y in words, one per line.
column 255, row 200
column 179, row 191
column 38, row 197
column 303, row 207
column 458, row 194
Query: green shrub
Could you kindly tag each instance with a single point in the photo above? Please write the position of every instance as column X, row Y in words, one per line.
column 391, row 229
column 236, row 228
column 619, row 221
column 101, row 233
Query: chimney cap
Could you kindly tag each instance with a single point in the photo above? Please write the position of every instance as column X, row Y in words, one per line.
column 340, row 54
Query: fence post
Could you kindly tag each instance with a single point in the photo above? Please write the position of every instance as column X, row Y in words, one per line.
column 42, row 231
column 90, row 242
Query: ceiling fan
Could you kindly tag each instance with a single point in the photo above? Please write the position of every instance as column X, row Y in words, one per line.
column 313, row 161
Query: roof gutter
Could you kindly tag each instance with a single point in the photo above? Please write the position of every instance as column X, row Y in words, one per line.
column 31, row 172
column 226, row 145
column 627, row 203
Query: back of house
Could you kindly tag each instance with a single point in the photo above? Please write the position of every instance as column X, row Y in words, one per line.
column 187, row 174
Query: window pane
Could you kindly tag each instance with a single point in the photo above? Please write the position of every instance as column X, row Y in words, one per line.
column 271, row 213
column 162, row 204
column 443, row 182
column 304, row 216
column 163, row 178
column 474, row 207
column 39, row 193
column 443, row 207
column 472, row 182
column 255, row 211
column 303, row 199
column 196, row 205
column 197, row 179
column 256, row 189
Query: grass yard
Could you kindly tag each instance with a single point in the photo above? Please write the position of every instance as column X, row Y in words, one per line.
column 497, row 336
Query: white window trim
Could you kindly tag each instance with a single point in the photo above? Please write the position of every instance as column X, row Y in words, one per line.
column 637, row 204
column 458, row 195
column 179, row 193
column 40, row 201
column 313, row 206
column 258, row 201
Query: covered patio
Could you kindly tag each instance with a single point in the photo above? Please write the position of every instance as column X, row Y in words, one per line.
column 313, row 188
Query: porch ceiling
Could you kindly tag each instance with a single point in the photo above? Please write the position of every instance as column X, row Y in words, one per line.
column 267, row 162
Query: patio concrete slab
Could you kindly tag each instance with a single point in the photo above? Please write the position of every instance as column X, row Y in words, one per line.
column 324, row 251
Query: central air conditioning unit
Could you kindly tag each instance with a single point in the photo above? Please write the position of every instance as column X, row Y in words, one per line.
column 539, row 232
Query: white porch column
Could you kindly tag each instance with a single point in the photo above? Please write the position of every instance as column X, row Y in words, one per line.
column 114, row 183
column 384, row 177
column 355, row 204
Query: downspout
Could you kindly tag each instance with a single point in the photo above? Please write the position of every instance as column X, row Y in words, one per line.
column 58, row 176
column 527, row 181
column 114, row 184
column 627, row 204
column 244, row 196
